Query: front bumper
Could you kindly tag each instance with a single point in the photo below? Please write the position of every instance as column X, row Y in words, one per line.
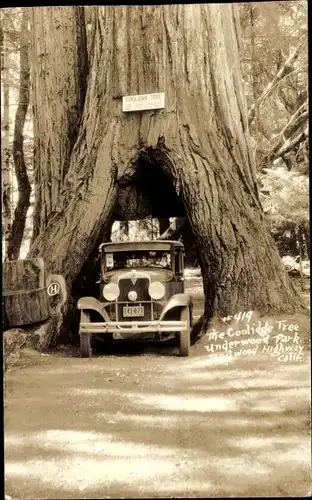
column 128, row 328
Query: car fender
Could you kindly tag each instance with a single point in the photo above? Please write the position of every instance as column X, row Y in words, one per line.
column 178, row 300
column 91, row 303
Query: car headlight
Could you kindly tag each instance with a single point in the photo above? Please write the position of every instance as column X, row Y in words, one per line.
column 110, row 291
column 156, row 290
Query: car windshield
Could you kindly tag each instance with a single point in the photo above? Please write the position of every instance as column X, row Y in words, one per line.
column 120, row 260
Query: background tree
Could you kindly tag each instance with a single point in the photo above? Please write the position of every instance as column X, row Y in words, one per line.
column 6, row 178
column 20, row 130
column 286, row 201
column 274, row 56
column 275, row 76
column 24, row 188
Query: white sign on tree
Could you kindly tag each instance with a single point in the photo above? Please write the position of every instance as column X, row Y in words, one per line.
column 143, row 102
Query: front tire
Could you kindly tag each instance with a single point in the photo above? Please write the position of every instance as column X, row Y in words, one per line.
column 185, row 335
column 85, row 345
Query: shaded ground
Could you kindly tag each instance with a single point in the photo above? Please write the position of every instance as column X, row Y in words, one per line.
column 151, row 424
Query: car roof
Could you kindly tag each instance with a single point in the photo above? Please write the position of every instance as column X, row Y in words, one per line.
column 121, row 246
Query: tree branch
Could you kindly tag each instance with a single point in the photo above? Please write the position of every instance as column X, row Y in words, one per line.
column 284, row 71
column 296, row 121
column 291, row 144
column 174, row 230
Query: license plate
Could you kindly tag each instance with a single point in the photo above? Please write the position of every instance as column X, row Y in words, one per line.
column 133, row 311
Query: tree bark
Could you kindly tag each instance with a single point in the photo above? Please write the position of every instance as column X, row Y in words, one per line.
column 254, row 79
column 59, row 78
column 24, row 188
column 200, row 140
column 7, row 183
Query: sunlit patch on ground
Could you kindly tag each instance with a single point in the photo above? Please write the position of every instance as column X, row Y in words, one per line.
column 183, row 402
column 153, row 475
column 139, row 420
column 94, row 459
column 91, row 392
column 288, row 446
column 93, row 443
column 206, row 362
column 82, row 473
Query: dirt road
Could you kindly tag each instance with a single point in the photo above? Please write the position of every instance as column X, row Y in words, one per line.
column 156, row 425
column 151, row 424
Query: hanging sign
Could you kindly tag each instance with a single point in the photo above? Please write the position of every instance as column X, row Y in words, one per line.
column 143, row 102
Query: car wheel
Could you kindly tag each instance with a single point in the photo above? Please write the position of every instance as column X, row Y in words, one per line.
column 85, row 345
column 185, row 334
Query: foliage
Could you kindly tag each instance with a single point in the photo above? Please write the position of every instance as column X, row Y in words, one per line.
column 271, row 32
column 285, row 195
column 12, row 30
column 285, row 199
column 293, row 267
column 144, row 229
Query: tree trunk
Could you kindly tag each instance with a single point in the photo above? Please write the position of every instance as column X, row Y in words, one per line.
column 124, row 228
column 6, row 169
column 24, row 188
column 59, row 77
column 200, row 141
column 299, row 246
column 191, row 258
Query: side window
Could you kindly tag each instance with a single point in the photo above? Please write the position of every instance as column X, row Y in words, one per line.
column 179, row 262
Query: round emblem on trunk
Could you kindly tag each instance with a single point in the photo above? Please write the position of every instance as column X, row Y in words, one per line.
column 132, row 295
column 53, row 288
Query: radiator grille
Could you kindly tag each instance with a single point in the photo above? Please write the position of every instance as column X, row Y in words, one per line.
column 143, row 299
column 140, row 287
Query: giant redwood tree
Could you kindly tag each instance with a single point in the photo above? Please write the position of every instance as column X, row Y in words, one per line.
column 195, row 151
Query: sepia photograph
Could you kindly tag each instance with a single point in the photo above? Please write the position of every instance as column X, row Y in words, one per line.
column 156, row 251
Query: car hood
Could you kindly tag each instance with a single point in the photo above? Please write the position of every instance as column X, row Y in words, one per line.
column 161, row 275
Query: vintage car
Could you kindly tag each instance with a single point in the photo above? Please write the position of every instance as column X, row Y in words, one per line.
column 141, row 296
